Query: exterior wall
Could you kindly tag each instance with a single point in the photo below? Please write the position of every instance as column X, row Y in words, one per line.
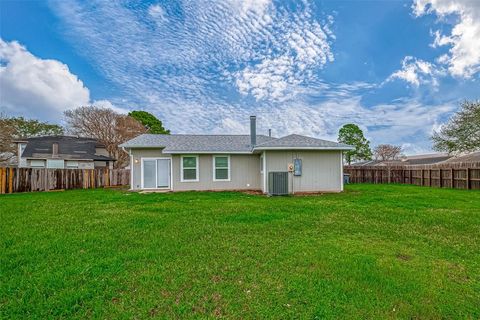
column 22, row 162
column 136, row 164
column 244, row 174
column 321, row 170
column 244, row 171
column 82, row 164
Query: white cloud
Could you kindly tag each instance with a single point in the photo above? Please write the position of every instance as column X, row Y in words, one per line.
column 157, row 13
column 416, row 72
column 40, row 88
column 463, row 58
column 37, row 87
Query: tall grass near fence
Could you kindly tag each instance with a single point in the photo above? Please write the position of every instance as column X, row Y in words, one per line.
column 30, row 179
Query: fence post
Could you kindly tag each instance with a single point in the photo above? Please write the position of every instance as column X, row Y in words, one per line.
column 468, row 178
column 2, row 185
column 389, row 177
column 441, row 179
column 10, row 181
column 430, row 177
column 453, row 178
column 410, row 176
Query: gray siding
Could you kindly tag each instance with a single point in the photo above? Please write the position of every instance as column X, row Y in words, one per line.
column 244, row 174
column 136, row 163
column 321, row 170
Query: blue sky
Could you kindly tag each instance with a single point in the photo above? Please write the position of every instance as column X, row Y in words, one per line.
column 398, row 69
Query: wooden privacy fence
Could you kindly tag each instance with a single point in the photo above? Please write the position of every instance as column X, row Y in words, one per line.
column 452, row 175
column 29, row 179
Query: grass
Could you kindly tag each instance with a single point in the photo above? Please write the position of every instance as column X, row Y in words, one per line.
column 375, row 251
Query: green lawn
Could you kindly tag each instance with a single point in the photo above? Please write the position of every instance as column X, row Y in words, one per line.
column 375, row 251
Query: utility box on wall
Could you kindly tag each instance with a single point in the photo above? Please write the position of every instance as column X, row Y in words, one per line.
column 297, row 167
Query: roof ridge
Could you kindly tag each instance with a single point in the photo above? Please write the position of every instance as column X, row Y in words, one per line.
column 205, row 135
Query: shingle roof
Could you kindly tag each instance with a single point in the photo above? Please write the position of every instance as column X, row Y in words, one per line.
column 178, row 143
column 301, row 142
column 68, row 148
column 471, row 157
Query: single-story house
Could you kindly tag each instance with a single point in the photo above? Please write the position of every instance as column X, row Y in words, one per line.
column 290, row 164
column 62, row 152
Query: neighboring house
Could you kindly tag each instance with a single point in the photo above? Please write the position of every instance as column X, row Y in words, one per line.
column 293, row 163
column 465, row 158
column 62, row 152
column 407, row 160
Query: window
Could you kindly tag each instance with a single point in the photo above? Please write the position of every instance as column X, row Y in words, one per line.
column 37, row 163
column 55, row 164
column 261, row 164
column 221, row 168
column 189, row 168
column 72, row 164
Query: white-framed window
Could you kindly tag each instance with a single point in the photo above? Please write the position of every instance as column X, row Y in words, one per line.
column 37, row 163
column 55, row 164
column 71, row 164
column 221, row 168
column 189, row 168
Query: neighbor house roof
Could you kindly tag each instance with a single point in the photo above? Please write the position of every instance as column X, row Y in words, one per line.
column 75, row 148
column 179, row 143
column 470, row 157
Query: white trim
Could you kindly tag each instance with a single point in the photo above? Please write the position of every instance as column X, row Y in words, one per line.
column 156, row 173
column 197, row 166
column 207, row 152
column 214, row 168
column 131, row 169
column 265, row 172
column 303, row 148
column 341, row 171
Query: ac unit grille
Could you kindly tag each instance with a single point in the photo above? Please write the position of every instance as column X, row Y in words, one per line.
column 278, row 183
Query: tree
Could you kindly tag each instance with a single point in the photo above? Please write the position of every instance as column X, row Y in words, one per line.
column 14, row 128
column 107, row 126
column 462, row 132
column 149, row 121
column 351, row 134
column 387, row 152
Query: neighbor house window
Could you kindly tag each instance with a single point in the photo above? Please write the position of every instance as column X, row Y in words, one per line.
column 55, row 164
column 221, row 168
column 37, row 163
column 189, row 166
column 72, row 164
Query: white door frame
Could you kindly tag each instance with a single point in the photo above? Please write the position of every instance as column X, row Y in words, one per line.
column 156, row 173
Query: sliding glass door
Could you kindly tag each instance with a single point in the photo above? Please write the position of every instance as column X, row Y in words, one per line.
column 156, row 173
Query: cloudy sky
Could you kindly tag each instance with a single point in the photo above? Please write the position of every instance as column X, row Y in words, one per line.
column 396, row 68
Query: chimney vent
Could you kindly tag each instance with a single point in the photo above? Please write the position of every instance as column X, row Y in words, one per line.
column 55, row 150
column 270, row 133
column 253, row 131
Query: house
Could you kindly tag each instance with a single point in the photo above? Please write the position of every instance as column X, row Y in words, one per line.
column 60, row 152
column 290, row 164
column 472, row 157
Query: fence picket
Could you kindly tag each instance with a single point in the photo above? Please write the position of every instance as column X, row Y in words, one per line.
column 462, row 175
column 28, row 179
